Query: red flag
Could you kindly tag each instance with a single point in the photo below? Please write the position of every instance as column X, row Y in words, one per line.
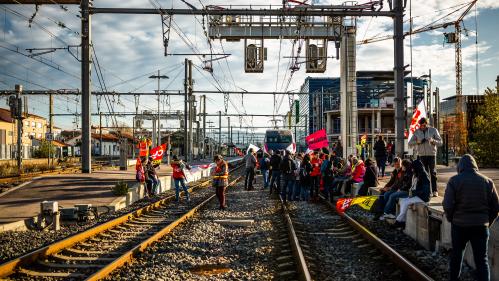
column 343, row 204
column 158, row 152
column 317, row 140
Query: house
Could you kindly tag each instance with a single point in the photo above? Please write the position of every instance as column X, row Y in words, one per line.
column 107, row 144
column 34, row 127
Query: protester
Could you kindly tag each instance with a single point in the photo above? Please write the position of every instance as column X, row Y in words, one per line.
column 151, row 176
column 471, row 205
column 250, row 161
column 398, row 190
column 275, row 177
column 297, row 187
column 358, row 171
column 139, row 171
column 220, row 182
column 390, row 151
column 380, row 153
column 287, row 168
column 370, row 178
column 315, row 176
column 342, row 175
column 264, row 169
column 426, row 139
column 179, row 178
column 305, row 178
column 392, row 186
column 419, row 192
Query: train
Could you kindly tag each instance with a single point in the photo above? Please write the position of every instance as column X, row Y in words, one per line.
column 279, row 140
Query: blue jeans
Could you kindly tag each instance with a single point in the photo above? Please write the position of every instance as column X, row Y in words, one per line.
column 287, row 188
column 478, row 236
column 392, row 201
column 305, row 192
column 178, row 183
column 275, row 180
column 151, row 182
column 265, row 176
column 297, row 190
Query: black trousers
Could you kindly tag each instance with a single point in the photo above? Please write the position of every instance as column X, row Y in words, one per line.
column 429, row 163
column 250, row 175
column 478, row 236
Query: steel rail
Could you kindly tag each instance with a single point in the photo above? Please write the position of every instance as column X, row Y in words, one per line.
column 412, row 271
column 128, row 256
column 304, row 273
column 10, row 267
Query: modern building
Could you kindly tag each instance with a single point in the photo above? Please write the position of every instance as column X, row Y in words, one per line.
column 375, row 104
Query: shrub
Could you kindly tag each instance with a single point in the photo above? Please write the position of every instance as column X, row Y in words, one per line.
column 120, row 189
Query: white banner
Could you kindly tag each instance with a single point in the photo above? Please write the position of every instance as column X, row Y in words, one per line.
column 255, row 148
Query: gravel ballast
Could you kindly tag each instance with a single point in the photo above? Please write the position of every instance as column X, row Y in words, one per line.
column 203, row 249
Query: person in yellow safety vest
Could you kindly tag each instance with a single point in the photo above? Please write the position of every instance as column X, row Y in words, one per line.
column 220, row 179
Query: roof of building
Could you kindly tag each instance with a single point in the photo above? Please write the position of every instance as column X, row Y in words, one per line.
column 105, row 137
column 5, row 112
column 5, row 115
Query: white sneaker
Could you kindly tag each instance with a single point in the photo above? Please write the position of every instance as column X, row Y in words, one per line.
column 435, row 193
column 382, row 218
column 389, row 216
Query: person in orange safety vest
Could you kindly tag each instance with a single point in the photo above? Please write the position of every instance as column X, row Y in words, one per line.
column 220, row 175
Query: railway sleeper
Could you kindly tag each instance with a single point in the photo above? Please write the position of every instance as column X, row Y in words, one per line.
column 47, row 264
column 33, row 273
column 91, row 252
column 63, row 257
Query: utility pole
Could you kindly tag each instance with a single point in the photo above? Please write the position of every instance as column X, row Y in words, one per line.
column 398, row 38
column 19, row 116
column 220, row 132
column 228, row 136
column 159, row 77
column 204, row 125
column 51, row 127
column 186, row 112
column 101, row 148
column 191, row 114
column 86, row 38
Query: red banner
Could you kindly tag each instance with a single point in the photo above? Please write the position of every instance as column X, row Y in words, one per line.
column 317, row 140
column 158, row 152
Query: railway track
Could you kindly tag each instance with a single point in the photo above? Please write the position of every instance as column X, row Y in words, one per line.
column 93, row 254
column 29, row 176
column 331, row 246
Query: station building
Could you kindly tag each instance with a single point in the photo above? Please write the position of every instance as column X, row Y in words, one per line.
column 320, row 107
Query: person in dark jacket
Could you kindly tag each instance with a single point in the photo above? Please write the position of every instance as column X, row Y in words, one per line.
column 401, row 190
column 419, row 192
column 471, row 205
column 305, row 178
column 370, row 178
column 264, row 169
column 380, row 154
column 275, row 177
column 250, row 161
column 287, row 168
column 390, row 187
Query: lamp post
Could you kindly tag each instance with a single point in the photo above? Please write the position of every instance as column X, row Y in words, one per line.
column 159, row 77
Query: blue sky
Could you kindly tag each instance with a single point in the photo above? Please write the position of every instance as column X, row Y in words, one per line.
column 130, row 47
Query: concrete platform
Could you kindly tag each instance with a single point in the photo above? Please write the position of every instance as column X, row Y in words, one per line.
column 68, row 189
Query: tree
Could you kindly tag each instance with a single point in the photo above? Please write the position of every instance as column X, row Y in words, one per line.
column 486, row 126
column 43, row 150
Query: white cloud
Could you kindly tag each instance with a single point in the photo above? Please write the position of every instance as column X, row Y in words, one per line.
column 130, row 45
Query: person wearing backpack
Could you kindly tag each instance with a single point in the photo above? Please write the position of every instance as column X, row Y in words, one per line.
column 305, row 180
column 287, row 169
column 264, row 169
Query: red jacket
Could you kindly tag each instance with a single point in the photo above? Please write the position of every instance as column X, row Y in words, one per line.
column 178, row 171
column 316, row 167
column 358, row 171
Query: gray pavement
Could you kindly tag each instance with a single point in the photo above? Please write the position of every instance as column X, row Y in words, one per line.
column 67, row 189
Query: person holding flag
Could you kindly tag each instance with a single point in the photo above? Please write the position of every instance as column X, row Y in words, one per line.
column 179, row 178
column 425, row 140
